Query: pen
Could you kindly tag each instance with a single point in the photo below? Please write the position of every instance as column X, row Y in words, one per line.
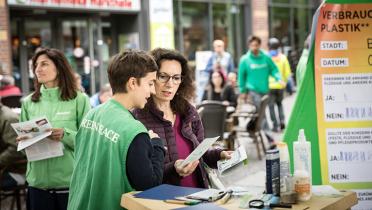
column 280, row 205
column 190, row 203
column 224, row 199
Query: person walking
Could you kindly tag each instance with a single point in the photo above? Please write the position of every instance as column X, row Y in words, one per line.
column 255, row 67
column 276, row 88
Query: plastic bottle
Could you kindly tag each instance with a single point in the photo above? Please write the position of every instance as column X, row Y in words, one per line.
column 272, row 172
column 285, row 170
column 302, row 167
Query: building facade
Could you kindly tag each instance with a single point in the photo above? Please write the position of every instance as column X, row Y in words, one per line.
column 89, row 32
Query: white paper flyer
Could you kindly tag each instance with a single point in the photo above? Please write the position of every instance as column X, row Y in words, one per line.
column 37, row 145
column 199, row 151
column 236, row 157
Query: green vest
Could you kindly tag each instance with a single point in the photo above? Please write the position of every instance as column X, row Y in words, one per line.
column 99, row 178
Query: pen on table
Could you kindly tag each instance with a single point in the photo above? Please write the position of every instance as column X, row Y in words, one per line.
column 280, row 205
column 224, row 199
column 183, row 202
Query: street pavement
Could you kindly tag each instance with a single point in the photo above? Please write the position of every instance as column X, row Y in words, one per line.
column 252, row 175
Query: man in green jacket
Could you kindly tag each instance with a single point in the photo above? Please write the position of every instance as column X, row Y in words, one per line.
column 111, row 145
column 255, row 67
column 254, row 70
column 8, row 147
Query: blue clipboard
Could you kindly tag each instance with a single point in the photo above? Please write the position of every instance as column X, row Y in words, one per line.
column 167, row 192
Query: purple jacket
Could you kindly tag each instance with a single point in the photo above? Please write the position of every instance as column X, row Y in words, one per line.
column 191, row 129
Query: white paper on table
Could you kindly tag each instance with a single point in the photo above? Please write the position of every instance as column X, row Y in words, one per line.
column 199, row 151
column 35, row 130
column 206, row 195
column 236, row 157
column 44, row 149
column 325, row 190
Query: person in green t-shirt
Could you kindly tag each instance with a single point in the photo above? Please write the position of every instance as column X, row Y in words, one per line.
column 111, row 144
column 255, row 67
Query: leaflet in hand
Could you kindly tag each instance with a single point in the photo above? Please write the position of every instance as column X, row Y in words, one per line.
column 199, row 151
column 236, row 157
column 34, row 130
column 37, row 145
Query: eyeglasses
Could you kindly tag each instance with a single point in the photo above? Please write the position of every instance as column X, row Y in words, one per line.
column 164, row 78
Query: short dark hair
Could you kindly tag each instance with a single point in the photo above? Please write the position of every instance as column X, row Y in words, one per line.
column 65, row 74
column 127, row 64
column 186, row 90
column 253, row 38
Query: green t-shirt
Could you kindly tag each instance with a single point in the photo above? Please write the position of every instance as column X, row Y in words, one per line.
column 99, row 178
column 254, row 72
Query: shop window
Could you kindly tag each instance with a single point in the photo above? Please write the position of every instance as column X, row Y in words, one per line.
column 37, row 34
column 301, row 2
column 76, row 48
column 16, row 52
column 222, row 24
column 194, row 28
column 280, row 24
column 290, row 21
column 301, row 31
column 280, row 1
column 221, row 19
column 302, row 27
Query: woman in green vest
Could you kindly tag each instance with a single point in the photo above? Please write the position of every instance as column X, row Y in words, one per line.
column 57, row 98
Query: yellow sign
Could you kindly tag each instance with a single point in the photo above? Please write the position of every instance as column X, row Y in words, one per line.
column 161, row 24
column 343, row 78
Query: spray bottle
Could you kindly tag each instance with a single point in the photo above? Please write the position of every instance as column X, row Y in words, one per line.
column 302, row 167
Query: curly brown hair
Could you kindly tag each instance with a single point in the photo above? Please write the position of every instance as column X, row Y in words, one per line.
column 186, row 90
column 65, row 74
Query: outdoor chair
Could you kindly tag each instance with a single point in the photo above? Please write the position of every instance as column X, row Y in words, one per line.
column 17, row 191
column 213, row 116
column 253, row 128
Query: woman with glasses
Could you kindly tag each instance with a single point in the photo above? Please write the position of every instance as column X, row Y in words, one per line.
column 169, row 114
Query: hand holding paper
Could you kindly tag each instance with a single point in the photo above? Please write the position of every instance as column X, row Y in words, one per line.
column 236, row 157
column 225, row 155
column 57, row 134
column 32, row 136
column 21, row 138
column 32, row 131
column 199, row 151
column 187, row 169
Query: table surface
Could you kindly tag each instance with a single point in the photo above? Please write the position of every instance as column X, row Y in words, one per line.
column 348, row 200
